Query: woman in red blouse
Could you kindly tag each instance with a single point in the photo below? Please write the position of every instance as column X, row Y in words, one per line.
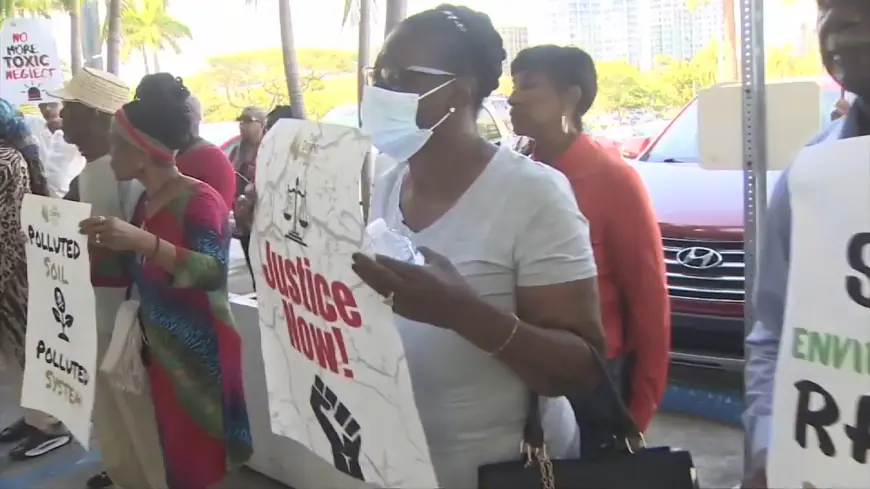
column 554, row 86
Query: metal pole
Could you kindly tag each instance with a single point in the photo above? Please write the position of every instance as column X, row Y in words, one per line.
column 364, row 55
column 754, row 146
column 92, row 34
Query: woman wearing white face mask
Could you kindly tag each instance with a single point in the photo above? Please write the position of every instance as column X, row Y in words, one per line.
column 506, row 304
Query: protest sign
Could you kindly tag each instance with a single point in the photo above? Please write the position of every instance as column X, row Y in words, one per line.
column 336, row 372
column 821, row 410
column 61, row 356
column 31, row 65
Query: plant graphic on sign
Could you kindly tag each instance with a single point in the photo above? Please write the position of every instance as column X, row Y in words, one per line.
column 64, row 319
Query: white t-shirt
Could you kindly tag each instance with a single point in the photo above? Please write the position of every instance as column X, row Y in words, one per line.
column 60, row 160
column 109, row 198
column 518, row 225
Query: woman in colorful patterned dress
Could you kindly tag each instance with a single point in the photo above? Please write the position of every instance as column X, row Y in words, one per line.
column 178, row 255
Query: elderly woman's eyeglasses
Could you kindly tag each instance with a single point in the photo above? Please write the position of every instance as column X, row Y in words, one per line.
column 397, row 78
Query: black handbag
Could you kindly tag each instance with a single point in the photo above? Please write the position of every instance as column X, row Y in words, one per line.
column 627, row 463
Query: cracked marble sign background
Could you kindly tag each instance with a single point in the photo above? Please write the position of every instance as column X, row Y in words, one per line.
column 337, row 377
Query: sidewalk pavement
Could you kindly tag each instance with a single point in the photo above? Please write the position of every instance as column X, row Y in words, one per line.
column 716, row 448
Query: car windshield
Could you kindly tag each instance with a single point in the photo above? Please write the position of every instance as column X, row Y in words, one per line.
column 679, row 142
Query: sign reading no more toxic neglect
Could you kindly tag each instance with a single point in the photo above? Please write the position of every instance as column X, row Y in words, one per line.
column 30, row 64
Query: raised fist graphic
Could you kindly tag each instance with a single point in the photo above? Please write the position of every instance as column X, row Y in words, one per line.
column 340, row 428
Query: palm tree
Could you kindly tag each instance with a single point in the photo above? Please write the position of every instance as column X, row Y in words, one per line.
column 74, row 9
column 397, row 10
column 113, row 36
column 363, row 8
column 32, row 8
column 146, row 27
column 288, row 51
column 729, row 68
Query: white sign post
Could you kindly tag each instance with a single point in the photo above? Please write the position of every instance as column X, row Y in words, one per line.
column 336, row 372
column 821, row 424
column 30, row 64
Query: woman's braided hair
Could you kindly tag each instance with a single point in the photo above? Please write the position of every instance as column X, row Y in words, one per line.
column 475, row 47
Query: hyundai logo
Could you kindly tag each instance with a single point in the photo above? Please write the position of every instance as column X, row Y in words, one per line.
column 699, row 258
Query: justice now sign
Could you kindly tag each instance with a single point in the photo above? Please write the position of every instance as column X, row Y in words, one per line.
column 821, row 423
column 336, row 373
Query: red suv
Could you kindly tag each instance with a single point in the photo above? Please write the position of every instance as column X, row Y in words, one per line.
column 701, row 216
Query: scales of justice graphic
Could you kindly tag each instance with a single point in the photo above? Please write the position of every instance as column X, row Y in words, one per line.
column 296, row 211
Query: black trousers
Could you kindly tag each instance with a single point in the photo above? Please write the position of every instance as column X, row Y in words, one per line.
column 246, row 248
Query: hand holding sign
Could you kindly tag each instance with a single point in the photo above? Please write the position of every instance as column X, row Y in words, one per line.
column 116, row 234
column 428, row 294
column 340, row 428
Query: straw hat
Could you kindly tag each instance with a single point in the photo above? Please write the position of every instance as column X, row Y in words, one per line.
column 96, row 89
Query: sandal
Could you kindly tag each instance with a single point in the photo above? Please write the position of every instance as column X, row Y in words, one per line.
column 37, row 443
column 15, row 432
column 100, row 481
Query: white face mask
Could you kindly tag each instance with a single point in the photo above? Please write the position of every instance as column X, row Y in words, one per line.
column 390, row 118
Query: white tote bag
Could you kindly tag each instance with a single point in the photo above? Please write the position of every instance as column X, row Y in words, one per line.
column 122, row 363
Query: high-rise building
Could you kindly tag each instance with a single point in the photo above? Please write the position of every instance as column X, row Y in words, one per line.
column 633, row 30
column 680, row 33
column 515, row 39
column 607, row 29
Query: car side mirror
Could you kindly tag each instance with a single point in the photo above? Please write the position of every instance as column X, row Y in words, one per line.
column 634, row 146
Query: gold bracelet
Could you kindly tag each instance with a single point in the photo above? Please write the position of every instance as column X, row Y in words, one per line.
column 508, row 339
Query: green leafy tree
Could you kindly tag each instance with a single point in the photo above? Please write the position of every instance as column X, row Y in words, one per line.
column 146, row 27
column 231, row 82
column 785, row 62
column 621, row 86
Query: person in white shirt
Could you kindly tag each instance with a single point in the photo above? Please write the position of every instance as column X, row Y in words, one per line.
column 505, row 312
column 61, row 161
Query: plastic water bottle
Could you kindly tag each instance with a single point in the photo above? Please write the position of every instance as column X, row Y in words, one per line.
column 380, row 239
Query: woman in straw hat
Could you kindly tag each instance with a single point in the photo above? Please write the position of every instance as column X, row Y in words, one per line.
column 20, row 173
column 178, row 255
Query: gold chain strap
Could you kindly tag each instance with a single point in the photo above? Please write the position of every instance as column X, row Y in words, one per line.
column 545, row 465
